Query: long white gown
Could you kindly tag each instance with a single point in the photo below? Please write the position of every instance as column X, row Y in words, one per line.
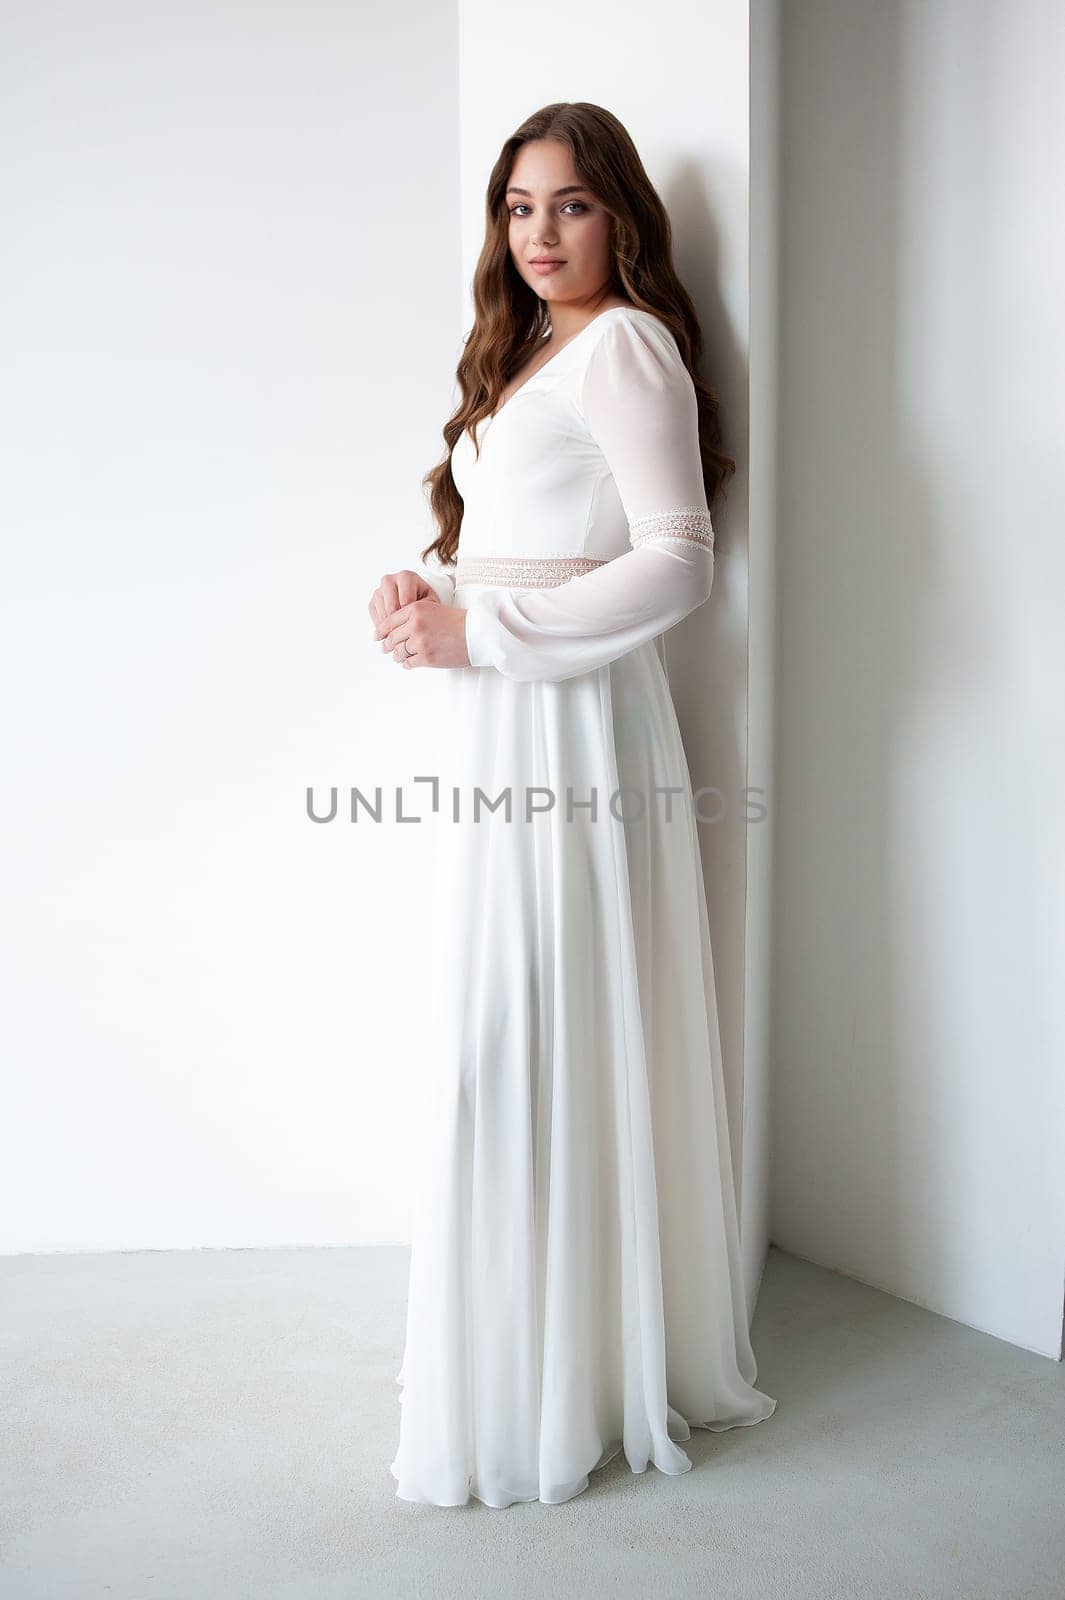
column 575, row 1282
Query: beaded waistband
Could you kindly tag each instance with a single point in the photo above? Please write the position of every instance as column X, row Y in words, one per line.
column 525, row 572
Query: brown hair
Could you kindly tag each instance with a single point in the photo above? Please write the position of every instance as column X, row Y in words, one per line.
column 510, row 318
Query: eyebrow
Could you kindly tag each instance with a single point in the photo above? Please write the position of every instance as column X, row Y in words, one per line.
column 573, row 188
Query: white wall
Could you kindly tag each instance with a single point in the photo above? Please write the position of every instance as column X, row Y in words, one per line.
column 229, row 273
column 917, row 994
column 232, row 301
column 231, row 262
column 761, row 646
column 681, row 88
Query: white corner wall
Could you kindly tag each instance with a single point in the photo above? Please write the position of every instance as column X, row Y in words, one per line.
column 916, row 995
column 217, row 297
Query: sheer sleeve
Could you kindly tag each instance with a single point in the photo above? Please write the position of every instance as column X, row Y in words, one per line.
column 639, row 402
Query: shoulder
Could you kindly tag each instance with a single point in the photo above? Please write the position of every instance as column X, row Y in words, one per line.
column 628, row 340
column 630, row 326
column 631, row 352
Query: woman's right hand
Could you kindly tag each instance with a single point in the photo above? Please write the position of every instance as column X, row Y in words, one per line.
column 398, row 589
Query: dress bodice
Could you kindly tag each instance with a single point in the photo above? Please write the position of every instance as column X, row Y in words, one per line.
column 541, row 490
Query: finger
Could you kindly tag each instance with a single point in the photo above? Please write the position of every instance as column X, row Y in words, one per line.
column 409, row 586
column 388, row 593
column 398, row 619
column 399, row 644
column 393, row 639
column 386, row 618
column 379, row 622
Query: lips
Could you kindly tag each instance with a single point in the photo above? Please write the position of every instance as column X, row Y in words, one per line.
column 547, row 261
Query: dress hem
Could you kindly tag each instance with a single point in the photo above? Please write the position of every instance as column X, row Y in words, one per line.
column 560, row 1496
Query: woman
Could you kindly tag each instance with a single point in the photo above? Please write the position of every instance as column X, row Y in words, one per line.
column 575, row 1281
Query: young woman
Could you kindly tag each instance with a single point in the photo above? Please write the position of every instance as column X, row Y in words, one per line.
column 575, row 1281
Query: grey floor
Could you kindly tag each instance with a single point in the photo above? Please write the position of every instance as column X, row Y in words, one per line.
column 198, row 1425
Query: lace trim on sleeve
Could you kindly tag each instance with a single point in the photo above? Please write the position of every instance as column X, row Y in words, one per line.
column 684, row 522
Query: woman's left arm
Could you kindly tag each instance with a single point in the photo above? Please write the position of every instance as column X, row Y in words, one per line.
column 639, row 403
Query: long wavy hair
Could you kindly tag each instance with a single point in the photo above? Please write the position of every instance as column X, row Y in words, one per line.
column 510, row 318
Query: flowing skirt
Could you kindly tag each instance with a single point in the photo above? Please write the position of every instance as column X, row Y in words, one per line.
column 575, row 1282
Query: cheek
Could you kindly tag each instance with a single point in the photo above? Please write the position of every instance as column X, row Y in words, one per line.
column 592, row 242
column 600, row 236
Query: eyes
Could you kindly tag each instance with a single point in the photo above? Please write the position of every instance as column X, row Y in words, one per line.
column 522, row 205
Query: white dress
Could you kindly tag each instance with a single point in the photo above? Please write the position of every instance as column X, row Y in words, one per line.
column 575, row 1282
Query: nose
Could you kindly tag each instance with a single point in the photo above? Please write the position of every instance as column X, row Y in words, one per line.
column 542, row 241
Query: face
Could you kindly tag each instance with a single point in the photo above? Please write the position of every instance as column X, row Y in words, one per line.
column 553, row 215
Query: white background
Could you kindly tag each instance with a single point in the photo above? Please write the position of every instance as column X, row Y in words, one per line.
column 229, row 312
column 236, row 248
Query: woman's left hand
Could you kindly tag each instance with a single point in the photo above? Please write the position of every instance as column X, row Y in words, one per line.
column 425, row 633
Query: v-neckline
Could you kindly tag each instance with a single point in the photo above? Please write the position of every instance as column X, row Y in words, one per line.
column 569, row 342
